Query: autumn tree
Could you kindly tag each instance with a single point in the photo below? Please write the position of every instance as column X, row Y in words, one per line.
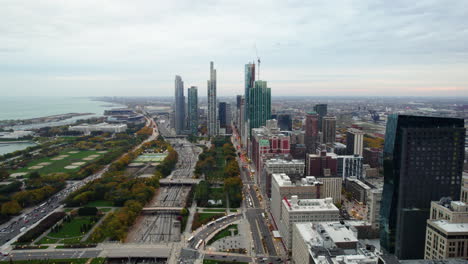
column 11, row 208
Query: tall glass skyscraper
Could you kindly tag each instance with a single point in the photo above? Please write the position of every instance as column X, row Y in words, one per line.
column 212, row 120
column 423, row 162
column 249, row 77
column 259, row 104
column 179, row 105
column 192, row 94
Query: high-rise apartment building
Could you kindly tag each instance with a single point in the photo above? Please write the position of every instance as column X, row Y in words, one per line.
column 423, row 161
column 328, row 129
column 354, row 142
column 321, row 110
column 179, row 105
column 192, row 94
column 259, row 105
column 311, row 132
column 212, row 120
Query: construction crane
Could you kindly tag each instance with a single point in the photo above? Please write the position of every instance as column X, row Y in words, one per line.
column 258, row 60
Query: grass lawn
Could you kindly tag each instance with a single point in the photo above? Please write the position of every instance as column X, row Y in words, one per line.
column 224, row 233
column 46, row 240
column 71, row 229
column 219, row 210
column 209, row 261
column 58, row 165
column 205, row 216
column 99, row 203
column 75, row 240
column 233, row 210
column 105, row 210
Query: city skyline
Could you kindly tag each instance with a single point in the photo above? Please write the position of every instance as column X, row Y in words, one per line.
column 320, row 48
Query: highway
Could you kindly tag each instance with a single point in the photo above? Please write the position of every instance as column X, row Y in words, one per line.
column 159, row 227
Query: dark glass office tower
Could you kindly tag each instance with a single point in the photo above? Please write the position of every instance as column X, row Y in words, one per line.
column 423, row 161
column 321, row 110
column 284, row 122
column 179, row 105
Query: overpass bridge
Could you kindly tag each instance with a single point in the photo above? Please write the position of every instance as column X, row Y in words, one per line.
column 167, row 181
column 170, row 210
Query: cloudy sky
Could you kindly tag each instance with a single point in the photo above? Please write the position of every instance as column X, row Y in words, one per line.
column 135, row 47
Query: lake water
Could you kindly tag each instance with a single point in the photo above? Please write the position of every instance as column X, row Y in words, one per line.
column 31, row 107
column 7, row 148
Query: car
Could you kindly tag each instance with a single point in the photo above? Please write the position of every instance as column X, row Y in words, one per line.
column 5, row 254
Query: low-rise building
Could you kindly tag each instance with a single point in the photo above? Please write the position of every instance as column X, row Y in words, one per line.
column 283, row 187
column 103, row 127
column 297, row 210
column 358, row 189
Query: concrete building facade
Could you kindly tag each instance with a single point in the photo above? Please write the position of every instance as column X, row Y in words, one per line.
column 297, row 210
column 354, row 142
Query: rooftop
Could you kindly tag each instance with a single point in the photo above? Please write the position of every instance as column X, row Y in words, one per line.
column 450, row 227
column 284, row 162
column 308, row 205
column 284, row 180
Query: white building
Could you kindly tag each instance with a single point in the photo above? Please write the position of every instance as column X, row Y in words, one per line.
column 332, row 188
column 447, row 230
column 17, row 134
column 350, row 166
column 293, row 168
column 354, row 142
column 328, row 243
column 374, row 198
column 103, row 127
column 297, row 210
column 282, row 186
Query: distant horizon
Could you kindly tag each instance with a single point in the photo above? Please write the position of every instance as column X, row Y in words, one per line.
column 306, row 48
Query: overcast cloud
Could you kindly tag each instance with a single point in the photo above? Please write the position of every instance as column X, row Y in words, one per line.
column 113, row 47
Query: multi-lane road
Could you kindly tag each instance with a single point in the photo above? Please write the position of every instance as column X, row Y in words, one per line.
column 159, row 228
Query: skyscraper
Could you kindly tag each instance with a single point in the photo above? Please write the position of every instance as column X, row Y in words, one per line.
column 259, row 104
column 212, row 120
column 224, row 114
column 354, row 142
column 193, row 110
column 423, row 161
column 249, row 78
column 328, row 129
column 179, row 105
column 321, row 110
column 311, row 132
